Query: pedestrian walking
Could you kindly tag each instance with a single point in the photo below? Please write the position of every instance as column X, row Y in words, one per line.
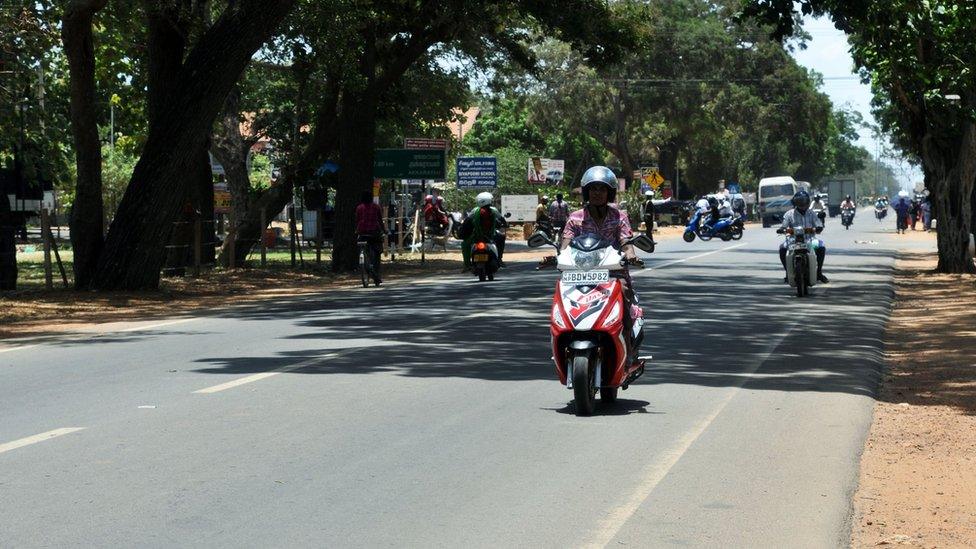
column 558, row 214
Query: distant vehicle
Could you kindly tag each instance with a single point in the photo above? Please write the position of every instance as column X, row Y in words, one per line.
column 775, row 196
column 837, row 191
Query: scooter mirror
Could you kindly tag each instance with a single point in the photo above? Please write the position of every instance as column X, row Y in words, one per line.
column 642, row 242
column 538, row 239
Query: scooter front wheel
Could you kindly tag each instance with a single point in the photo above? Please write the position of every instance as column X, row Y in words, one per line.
column 736, row 234
column 583, row 391
column 799, row 276
column 689, row 236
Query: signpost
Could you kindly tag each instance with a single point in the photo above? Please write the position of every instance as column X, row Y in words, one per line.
column 651, row 176
column 409, row 164
column 477, row 172
column 425, row 143
column 520, row 206
column 421, row 158
column 222, row 202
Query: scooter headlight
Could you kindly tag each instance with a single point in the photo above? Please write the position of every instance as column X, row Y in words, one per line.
column 589, row 260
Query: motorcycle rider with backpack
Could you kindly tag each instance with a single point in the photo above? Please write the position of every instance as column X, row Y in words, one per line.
column 483, row 223
column 802, row 217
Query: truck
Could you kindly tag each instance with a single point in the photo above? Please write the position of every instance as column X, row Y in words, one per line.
column 838, row 187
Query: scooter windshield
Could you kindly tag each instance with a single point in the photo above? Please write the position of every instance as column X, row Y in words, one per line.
column 589, row 242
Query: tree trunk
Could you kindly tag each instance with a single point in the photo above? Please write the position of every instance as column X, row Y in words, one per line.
column 274, row 199
column 953, row 174
column 231, row 149
column 87, row 228
column 8, row 246
column 249, row 228
column 357, row 140
column 667, row 162
column 135, row 247
column 204, row 201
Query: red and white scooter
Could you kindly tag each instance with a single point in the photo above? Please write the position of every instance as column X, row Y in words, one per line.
column 595, row 342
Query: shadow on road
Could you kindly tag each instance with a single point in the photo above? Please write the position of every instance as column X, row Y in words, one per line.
column 707, row 326
column 621, row 407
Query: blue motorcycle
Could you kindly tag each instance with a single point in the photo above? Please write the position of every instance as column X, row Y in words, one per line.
column 726, row 228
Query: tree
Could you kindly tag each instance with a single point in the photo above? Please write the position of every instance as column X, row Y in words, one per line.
column 726, row 101
column 358, row 70
column 86, row 213
column 180, row 124
column 918, row 57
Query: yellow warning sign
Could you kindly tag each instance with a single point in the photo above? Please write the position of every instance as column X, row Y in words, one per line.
column 652, row 177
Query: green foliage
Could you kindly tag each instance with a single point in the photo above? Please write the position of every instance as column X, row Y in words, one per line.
column 505, row 123
column 716, row 93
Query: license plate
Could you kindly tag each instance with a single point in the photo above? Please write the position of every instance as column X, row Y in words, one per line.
column 586, row 277
column 481, row 257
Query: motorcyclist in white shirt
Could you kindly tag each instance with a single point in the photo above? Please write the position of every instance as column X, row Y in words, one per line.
column 702, row 205
column 802, row 217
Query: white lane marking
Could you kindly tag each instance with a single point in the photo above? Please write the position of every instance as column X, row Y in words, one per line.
column 96, row 335
column 21, row 348
column 676, row 261
column 237, row 382
column 27, row 441
column 151, row 326
column 264, row 375
column 611, row 524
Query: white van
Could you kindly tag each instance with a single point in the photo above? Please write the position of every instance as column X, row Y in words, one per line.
column 775, row 195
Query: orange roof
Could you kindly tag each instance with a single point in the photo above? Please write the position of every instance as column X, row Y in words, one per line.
column 458, row 128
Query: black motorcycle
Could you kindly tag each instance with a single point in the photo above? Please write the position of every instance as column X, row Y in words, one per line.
column 847, row 219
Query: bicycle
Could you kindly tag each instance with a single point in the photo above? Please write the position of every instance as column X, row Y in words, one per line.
column 366, row 262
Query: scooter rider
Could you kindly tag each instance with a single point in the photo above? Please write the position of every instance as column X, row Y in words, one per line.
column 715, row 214
column 485, row 222
column 848, row 204
column 819, row 208
column 598, row 217
column 802, row 217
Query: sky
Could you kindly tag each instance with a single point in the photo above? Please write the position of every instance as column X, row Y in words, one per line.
column 827, row 53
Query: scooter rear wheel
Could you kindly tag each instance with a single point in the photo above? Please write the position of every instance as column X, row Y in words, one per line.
column 583, row 391
column 608, row 394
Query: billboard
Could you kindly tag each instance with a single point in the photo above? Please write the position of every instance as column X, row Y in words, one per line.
column 545, row 171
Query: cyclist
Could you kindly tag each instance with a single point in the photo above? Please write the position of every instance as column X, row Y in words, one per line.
column 369, row 228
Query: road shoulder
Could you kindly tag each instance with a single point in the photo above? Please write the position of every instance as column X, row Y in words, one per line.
column 918, row 470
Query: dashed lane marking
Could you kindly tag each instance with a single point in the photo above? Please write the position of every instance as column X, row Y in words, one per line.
column 41, row 437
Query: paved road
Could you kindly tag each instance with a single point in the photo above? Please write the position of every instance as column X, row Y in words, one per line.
column 428, row 415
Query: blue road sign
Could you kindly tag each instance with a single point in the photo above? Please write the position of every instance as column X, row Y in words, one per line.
column 477, row 172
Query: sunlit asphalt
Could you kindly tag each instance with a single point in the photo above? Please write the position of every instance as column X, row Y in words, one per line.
column 427, row 414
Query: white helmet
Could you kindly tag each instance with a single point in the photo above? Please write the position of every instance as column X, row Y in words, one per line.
column 483, row 199
column 649, row 194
